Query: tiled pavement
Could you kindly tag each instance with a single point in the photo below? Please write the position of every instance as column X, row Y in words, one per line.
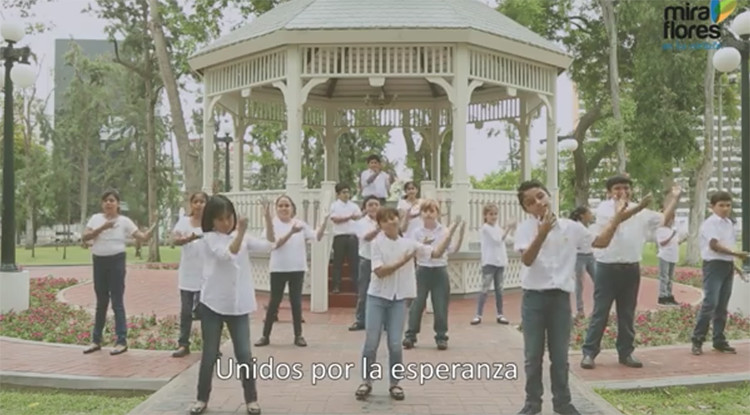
column 331, row 342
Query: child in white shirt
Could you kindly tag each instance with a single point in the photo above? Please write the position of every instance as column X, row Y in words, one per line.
column 410, row 209
column 494, row 260
column 344, row 214
column 288, row 265
column 374, row 181
column 187, row 234
column 227, row 296
column 368, row 230
column 548, row 255
column 585, row 260
column 668, row 241
column 718, row 237
column 432, row 277
column 392, row 282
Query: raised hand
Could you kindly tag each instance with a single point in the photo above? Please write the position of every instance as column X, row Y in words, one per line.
column 548, row 222
column 676, row 190
column 266, row 206
column 621, row 209
column 297, row 227
column 242, row 224
column 109, row 224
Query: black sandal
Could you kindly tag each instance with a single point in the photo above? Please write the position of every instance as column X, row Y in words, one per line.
column 92, row 348
column 363, row 391
column 397, row 392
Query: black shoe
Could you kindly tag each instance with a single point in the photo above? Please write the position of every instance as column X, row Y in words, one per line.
column 181, row 352
column 725, row 348
column 263, row 341
column 663, row 301
column 672, row 301
column 588, row 362
column 697, row 349
column 567, row 409
column 442, row 344
column 408, row 343
column 631, row 361
column 356, row 327
column 531, row 409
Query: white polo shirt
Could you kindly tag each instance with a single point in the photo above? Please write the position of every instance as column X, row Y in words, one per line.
column 340, row 209
column 493, row 246
column 228, row 286
column 627, row 244
column 671, row 251
column 365, row 226
column 431, row 237
column 111, row 241
column 403, row 282
column 721, row 229
column 190, row 272
column 378, row 187
column 292, row 256
column 554, row 266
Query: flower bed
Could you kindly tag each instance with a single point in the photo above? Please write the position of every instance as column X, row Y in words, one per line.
column 660, row 327
column 160, row 265
column 682, row 275
column 48, row 320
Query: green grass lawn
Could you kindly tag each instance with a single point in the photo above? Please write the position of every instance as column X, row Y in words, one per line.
column 718, row 400
column 75, row 255
column 17, row 401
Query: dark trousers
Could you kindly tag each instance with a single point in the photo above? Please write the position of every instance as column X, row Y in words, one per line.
column 345, row 246
column 109, row 284
column 618, row 283
column 279, row 280
column 212, row 324
column 188, row 301
column 435, row 281
column 363, row 283
column 718, row 277
column 546, row 314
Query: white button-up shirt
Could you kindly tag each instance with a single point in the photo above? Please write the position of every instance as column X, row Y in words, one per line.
column 292, row 256
column 365, row 226
column 431, row 237
column 627, row 243
column 378, row 187
column 339, row 210
column 111, row 241
column 554, row 266
column 721, row 229
column 228, row 286
column 671, row 251
column 403, row 282
column 190, row 272
column 493, row 246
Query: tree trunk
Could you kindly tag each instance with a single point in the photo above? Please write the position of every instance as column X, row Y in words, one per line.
column 151, row 196
column 189, row 157
column 608, row 14
column 699, row 199
column 84, row 183
column 445, row 157
column 582, row 167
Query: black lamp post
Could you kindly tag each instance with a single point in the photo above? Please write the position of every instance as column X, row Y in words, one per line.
column 23, row 76
column 226, row 139
column 736, row 50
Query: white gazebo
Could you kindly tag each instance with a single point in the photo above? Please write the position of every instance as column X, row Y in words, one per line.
column 320, row 63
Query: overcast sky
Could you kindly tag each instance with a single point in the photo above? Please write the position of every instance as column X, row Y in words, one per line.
column 484, row 155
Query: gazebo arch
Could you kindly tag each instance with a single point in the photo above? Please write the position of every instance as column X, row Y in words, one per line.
column 315, row 62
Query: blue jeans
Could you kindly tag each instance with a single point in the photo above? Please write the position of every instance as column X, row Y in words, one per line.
column 584, row 262
column 666, row 272
column 718, row 277
column 212, row 324
column 391, row 314
column 363, row 284
column 490, row 274
column 109, row 284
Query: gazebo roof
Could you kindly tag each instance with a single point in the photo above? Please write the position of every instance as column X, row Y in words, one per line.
column 327, row 15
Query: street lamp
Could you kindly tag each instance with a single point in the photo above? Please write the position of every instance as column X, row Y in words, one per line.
column 736, row 51
column 224, row 135
column 23, row 76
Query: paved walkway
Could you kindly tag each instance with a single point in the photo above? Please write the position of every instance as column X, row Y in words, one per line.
column 148, row 292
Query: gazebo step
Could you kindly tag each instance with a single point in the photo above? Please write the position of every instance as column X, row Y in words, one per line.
column 347, row 285
column 342, row 300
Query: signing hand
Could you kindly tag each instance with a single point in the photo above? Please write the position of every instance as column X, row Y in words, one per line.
column 621, row 209
column 242, row 224
column 109, row 224
column 548, row 222
column 297, row 227
column 646, row 201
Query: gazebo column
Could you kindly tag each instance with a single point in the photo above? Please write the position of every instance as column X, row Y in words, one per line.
column 552, row 156
column 330, row 144
column 238, row 155
column 523, row 125
column 209, row 103
column 295, row 96
column 459, row 93
column 436, row 141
